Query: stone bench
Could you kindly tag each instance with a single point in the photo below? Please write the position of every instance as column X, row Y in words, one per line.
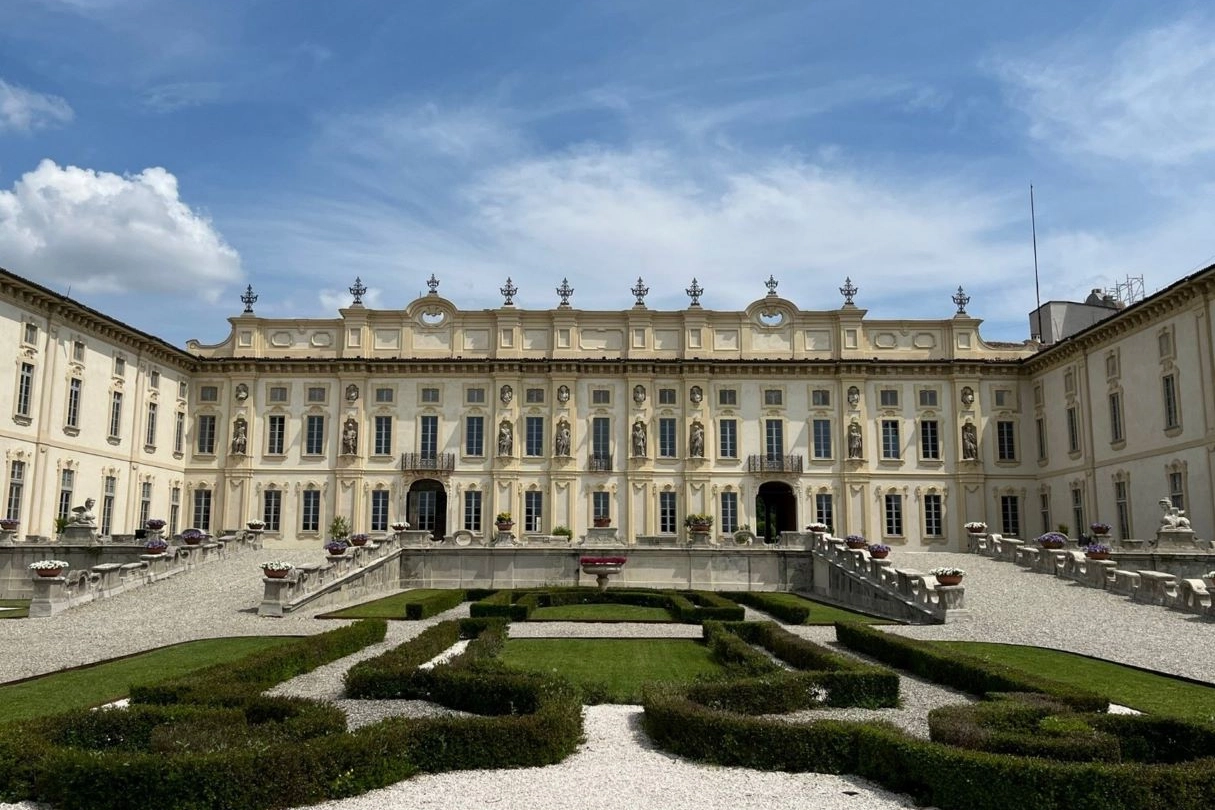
column 1156, row 588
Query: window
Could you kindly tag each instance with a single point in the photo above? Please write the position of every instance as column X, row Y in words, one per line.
column 888, row 397
column 1078, row 510
column 601, row 396
column 890, row 439
column 1122, row 505
column 533, row 511
column 774, row 397
column 206, row 435
column 930, row 440
column 601, row 506
column 72, row 419
column 272, row 509
column 154, row 380
column 727, row 397
column 1038, row 396
column 533, row 436
column 430, row 396
column 474, row 396
column 316, row 394
column 666, row 438
column 310, row 511
column 1010, row 515
column 1040, row 430
column 1044, row 511
column 729, row 512
column 824, row 509
column 1006, row 440
column 727, row 430
column 16, row 489
column 667, row 396
column 601, row 443
column 183, row 389
column 115, row 414
column 31, row 333
column 1172, row 418
column 933, row 512
column 25, row 389
column 1177, row 489
column 1069, row 382
column 278, row 394
column 1165, row 343
column 472, row 510
column 428, row 437
column 107, row 504
column 822, row 438
column 67, row 482
column 774, row 439
column 379, row 510
column 928, row 398
column 533, row 396
column 145, row 503
column 314, row 435
column 383, row 396
column 1116, row 431
column 1003, row 398
column 149, row 438
column 174, row 509
column 474, row 435
column 1073, row 430
column 120, row 370
column 208, row 393
column 276, row 435
column 820, row 398
column 666, row 512
column 383, row 436
column 894, row 514
column 78, row 351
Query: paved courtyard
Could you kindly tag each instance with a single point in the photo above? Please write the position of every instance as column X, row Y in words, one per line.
column 616, row 767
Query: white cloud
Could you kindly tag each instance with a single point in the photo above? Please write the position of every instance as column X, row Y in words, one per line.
column 1150, row 99
column 101, row 232
column 178, row 95
column 24, row 110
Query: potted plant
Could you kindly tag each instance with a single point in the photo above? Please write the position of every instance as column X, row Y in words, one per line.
column 698, row 523
column 336, row 548
column 976, row 527
column 154, row 525
column 1097, row 551
column 156, row 546
column 601, row 521
column 504, row 522
column 820, row 528
column 359, row 539
column 948, row 575
column 1099, row 529
column 1052, row 540
column 855, row 541
column 339, row 528
column 256, row 525
column 192, row 537
column 563, row 531
column 48, row 568
column 9, row 525
column 399, row 526
column 879, row 551
column 276, row 569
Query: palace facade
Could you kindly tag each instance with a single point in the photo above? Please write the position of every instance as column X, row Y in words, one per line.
column 768, row 418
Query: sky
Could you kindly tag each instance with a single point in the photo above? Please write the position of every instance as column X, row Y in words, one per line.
column 157, row 156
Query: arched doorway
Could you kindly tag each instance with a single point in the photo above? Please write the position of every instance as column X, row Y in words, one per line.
column 426, row 507
column 775, row 511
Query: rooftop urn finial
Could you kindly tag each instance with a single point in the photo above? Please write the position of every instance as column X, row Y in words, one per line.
column 508, row 292
column 694, row 292
column 565, row 291
column 771, row 284
column 358, row 290
column 961, row 299
column 249, row 299
column 433, row 284
column 848, row 291
column 640, row 291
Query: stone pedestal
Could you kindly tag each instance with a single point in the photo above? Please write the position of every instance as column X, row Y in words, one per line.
column 81, row 535
column 7, row 537
column 50, row 597
column 601, row 537
column 700, row 538
column 503, row 538
column 275, row 594
column 1177, row 540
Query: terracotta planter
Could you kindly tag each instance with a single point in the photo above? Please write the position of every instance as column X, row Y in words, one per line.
column 700, row 528
column 48, row 572
column 505, row 526
column 946, row 580
column 856, row 543
column 359, row 541
column 336, row 552
column 1097, row 555
column 192, row 541
column 276, row 574
column 602, row 522
column 1052, row 546
column 879, row 555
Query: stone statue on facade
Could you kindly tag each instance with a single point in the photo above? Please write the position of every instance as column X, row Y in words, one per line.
column 970, row 442
column 855, row 446
column 350, row 437
column 240, row 436
column 83, row 515
column 696, row 441
column 1172, row 517
column 506, row 394
column 639, row 438
column 561, row 443
column 506, row 439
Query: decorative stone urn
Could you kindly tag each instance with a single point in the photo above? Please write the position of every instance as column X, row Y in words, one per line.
column 602, row 568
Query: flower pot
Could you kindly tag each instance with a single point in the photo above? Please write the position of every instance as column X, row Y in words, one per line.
column 699, row 528
column 48, row 572
column 505, row 526
column 1097, row 555
column 336, row 552
column 602, row 522
column 879, row 555
column 856, row 543
column 1052, row 546
column 359, row 541
column 273, row 573
column 947, row 580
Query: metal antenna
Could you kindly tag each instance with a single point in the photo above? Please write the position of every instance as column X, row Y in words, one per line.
column 1033, row 224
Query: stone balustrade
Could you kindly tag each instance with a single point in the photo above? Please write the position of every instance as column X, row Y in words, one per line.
column 357, row 573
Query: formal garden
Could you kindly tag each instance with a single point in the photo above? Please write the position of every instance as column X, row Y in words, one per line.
column 201, row 729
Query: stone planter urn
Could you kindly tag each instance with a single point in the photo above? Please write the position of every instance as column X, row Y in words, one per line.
column 602, row 568
column 949, row 579
column 359, row 539
column 601, row 522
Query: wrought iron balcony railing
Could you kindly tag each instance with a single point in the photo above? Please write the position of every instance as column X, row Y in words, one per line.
column 428, row 462
column 774, row 464
column 599, row 462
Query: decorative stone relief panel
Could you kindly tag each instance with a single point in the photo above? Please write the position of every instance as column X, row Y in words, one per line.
column 387, row 338
column 321, row 340
column 476, row 340
column 666, row 339
column 725, row 339
column 433, row 340
column 535, row 339
column 602, row 339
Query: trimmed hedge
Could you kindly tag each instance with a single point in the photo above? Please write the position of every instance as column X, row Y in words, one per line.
column 690, row 607
column 500, row 604
column 769, row 603
column 735, row 654
column 379, row 677
column 960, row 671
column 434, row 604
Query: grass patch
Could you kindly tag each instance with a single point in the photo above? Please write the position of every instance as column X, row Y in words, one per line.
column 1150, row 692
column 613, row 670
column 22, row 608
column 600, row 613
column 390, row 607
column 107, row 681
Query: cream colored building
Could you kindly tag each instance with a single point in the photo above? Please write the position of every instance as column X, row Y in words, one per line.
column 769, row 417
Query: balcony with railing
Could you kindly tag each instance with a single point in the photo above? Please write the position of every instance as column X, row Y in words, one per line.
column 437, row 463
column 774, row 464
column 599, row 462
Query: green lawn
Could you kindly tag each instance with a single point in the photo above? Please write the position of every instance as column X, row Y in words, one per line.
column 601, row 613
column 22, row 605
column 825, row 614
column 1145, row 691
column 390, row 607
column 613, row 670
column 107, row 681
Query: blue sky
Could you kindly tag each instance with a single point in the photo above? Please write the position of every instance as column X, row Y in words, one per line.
column 158, row 155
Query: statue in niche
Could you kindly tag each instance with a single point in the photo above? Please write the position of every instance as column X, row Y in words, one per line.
column 350, row 437
column 506, row 394
column 639, row 439
column 696, row 441
column 506, row 439
column 696, row 395
column 968, row 396
column 1172, row 517
column 855, row 447
column 83, row 515
column 561, row 444
column 854, row 396
column 242, row 392
column 352, row 393
column 970, row 442
column 240, row 436
column 563, row 393
column 639, row 394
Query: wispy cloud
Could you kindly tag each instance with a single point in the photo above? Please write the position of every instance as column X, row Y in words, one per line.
column 179, row 95
column 23, row 110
